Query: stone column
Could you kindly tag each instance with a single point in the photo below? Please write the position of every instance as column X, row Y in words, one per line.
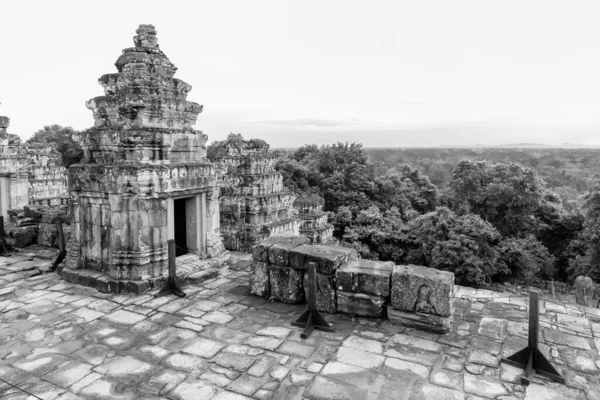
column 170, row 218
column 202, row 218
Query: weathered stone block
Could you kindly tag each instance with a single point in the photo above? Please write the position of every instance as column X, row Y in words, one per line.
column 259, row 279
column 260, row 252
column 365, row 305
column 286, row 284
column 22, row 236
column 422, row 289
column 327, row 258
column 47, row 234
column 418, row 320
column 325, row 292
column 52, row 216
column 364, row 276
column 279, row 252
column 584, row 290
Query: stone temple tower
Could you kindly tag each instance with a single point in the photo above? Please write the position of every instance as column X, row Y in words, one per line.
column 144, row 178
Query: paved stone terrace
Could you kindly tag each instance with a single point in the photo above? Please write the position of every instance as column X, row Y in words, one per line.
column 60, row 341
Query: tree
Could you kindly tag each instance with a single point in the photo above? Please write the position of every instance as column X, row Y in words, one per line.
column 527, row 258
column 463, row 244
column 217, row 149
column 506, row 195
column 62, row 138
column 406, row 189
column 586, row 248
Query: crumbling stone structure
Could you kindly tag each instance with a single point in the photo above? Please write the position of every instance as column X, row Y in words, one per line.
column 409, row 295
column 29, row 174
column 313, row 220
column 14, row 191
column 144, row 178
column 254, row 204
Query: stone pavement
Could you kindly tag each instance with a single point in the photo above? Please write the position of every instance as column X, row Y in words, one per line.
column 61, row 341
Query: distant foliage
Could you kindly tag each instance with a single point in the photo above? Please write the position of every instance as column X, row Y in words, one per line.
column 62, row 137
column 484, row 214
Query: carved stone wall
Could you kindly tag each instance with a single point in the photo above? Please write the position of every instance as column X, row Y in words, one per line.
column 141, row 155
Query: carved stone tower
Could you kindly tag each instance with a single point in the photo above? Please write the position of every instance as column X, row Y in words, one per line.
column 144, row 178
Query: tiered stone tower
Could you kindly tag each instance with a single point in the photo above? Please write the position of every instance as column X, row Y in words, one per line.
column 144, row 179
column 313, row 220
column 254, row 204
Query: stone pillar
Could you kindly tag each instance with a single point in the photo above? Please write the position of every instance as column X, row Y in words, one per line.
column 170, row 218
column 202, row 230
column 584, row 290
column 191, row 225
column 4, row 199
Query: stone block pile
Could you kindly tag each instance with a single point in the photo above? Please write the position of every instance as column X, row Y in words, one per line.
column 30, row 226
column 409, row 295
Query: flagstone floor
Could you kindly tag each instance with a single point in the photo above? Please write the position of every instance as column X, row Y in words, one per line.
column 60, row 341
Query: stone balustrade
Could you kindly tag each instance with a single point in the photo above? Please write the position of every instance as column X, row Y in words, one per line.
column 409, row 295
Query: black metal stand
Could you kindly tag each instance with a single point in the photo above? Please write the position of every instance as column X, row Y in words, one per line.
column 61, row 246
column 171, row 286
column 5, row 248
column 530, row 358
column 311, row 319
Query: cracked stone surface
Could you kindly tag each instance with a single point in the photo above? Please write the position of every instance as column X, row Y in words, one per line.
column 62, row 341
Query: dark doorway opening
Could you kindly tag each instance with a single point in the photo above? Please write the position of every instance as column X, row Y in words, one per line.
column 180, row 228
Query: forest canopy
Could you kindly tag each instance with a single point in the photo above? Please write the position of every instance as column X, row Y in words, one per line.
column 488, row 215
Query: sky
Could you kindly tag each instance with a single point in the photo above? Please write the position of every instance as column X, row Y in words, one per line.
column 385, row 73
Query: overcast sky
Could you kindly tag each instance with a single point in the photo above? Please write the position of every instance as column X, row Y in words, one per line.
column 384, row 73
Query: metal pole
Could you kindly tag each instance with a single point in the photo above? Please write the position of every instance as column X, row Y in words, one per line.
column 311, row 319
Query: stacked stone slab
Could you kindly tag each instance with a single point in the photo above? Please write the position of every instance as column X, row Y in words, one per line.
column 363, row 287
column 279, row 270
column 421, row 298
column 412, row 296
column 140, row 156
column 313, row 220
column 254, row 204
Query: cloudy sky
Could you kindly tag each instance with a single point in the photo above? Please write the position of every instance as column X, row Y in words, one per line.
column 381, row 72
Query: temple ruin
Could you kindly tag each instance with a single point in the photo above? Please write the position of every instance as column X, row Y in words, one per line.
column 144, row 178
column 254, row 203
column 30, row 174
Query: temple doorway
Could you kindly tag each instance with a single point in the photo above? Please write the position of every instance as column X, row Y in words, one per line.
column 180, row 227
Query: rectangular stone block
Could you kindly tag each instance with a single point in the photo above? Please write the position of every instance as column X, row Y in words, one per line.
column 418, row 320
column 260, row 252
column 364, row 305
column 364, row 276
column 327, row 258
column 259, row 279
column 279, row 252
column 422, row 289
column 286, row 284
column 325, row 291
